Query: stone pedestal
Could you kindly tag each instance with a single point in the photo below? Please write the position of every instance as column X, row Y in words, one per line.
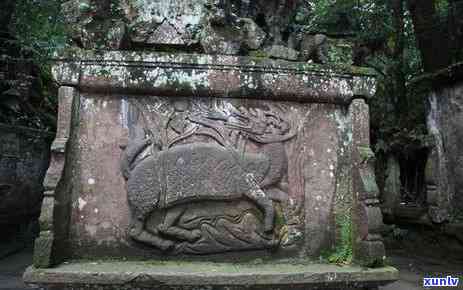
column 183, row 171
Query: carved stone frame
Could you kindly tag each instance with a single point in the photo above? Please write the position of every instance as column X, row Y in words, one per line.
column 212, row 76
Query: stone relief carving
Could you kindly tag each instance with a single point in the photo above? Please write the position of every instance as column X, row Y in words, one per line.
column 205, row 177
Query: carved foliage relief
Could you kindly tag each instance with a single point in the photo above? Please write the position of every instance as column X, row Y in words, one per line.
column 209, row 176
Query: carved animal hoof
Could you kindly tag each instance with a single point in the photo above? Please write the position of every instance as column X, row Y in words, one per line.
column 134, row 232
column 162, row 228
column 166, row 246
column 268, row 228
column 195, row 235
column 273, row 244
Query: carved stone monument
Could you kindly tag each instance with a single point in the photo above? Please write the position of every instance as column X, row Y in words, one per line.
column 185, row 171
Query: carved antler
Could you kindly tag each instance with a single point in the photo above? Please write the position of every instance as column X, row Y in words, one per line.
column 262, row 126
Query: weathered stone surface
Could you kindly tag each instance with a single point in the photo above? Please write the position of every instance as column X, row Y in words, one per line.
column 193, row 173
column 53, row 224
column 221, row 39
column 282, row 52
column 169, row 275
column 231, row 38
column 222, row 27
column 366, row 216
column 85, row 222
column 161, row 22
column 216, row 76
column 254, row 35
column 165, row 34
column 119, row 116
column 95, row 24
column 444, row 172
column 314, row 47
column 46, row 214
column 23, row 161
column 370, row 253
column 211, row 158
column 43, row 248
column 391, row 195
column 320, row 158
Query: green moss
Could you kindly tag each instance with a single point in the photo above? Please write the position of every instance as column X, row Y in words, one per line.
column 366, row 154
column 280, row 220
column 258, row 54
column 342, row 253
column 104, row 73
column 360, row 70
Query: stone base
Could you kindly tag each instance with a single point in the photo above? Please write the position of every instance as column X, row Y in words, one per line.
column 197, row 275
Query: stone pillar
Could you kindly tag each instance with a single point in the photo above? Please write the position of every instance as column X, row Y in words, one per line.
column 391, row 194
column 368, row 247
column 44, row 244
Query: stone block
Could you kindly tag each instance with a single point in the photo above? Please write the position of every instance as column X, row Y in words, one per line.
column 370, row 253
column 46, row 214
column 208, row 159
column 281, row 52
column 186, row 275
column 43, row 248
column 375, row 220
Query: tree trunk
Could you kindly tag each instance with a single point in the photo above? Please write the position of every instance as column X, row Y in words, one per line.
column 400, row 102
column 455, row 28
column 6, row 14
column 432, row 41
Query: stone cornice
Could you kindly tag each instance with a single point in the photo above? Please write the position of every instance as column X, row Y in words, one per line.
column 212, row 76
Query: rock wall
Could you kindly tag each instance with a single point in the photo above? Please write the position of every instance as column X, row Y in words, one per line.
column 273, row 28
column 23, row 161
column 444, row 170
column 24, row 150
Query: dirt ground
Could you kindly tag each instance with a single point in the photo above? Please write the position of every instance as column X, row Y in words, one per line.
column 420, row 252
column 412, row 270
column 12, row 268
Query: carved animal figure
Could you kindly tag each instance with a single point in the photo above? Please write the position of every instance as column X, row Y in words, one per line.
column 196, row 172
column 314, row 47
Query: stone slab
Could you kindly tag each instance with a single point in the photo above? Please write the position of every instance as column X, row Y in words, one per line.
column 212, row 76
column 202, row 274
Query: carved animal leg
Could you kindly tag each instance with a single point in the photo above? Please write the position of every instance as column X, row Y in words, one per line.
column 276, row 194
column 138, row 233
column 256, row 194
column 267, row 205
column 136, row 227
column 147, row 238
column 169, row 228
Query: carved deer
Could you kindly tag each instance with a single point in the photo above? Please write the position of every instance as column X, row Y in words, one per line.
column 169, row 179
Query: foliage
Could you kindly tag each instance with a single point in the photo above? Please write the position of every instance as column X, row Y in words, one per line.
column 33, row 32
column 38, row 29
column 385, row 40
column 396, row 120
column 343, row 251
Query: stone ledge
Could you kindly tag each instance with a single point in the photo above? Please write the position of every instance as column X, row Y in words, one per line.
column 195, row 274
column 212, row 76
